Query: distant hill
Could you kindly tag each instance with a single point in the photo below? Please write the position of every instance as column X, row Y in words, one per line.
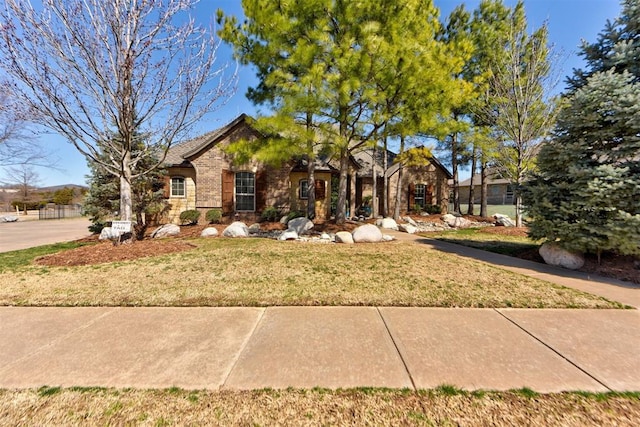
column 60, row 187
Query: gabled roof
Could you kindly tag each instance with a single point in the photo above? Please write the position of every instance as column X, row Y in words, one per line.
column 365, row 159
column 493, row 178
column 181, row 153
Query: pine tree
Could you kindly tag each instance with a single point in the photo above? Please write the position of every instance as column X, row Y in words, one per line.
column 585, row 193
column 102, row 200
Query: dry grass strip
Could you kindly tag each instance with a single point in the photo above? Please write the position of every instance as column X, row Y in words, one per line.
column 261, row 272
column 93, row 407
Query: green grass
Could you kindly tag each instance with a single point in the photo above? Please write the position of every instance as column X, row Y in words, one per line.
column 479, row 238
column 16, row 259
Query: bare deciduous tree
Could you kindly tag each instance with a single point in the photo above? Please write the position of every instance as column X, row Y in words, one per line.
column 17, row 145
column 85, row 68
column 524, row 114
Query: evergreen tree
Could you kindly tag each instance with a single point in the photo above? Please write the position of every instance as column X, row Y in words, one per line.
column 102, row 200
column 585, row 193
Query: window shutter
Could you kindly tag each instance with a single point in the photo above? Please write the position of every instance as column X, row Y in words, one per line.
column 166, row 189
column 261, row 190
column 412, row 195
column 228, row 182
column 321, row 191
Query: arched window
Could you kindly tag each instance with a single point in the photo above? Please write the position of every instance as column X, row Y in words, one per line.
column 245, row 191
column 178, row 188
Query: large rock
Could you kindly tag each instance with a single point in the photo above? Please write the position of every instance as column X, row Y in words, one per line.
column 456, row 221
column 254, row 228
column 410, row 221
column 554, row 254
column 107, row 233
column 388, row 223
column 236, row 229
column 300, row 225
column 166, row 230
column 289, row 235
column 504, row 220
column 209, row 232
column 344, row 237
column 407, row 228
column 8, row 218
column 367, row 233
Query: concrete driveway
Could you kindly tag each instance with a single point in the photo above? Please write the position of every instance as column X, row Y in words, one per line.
column 28, row 234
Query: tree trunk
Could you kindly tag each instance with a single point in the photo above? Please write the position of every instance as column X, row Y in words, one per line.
column 374, row 188
column 396, row 211
column 126, row 210
column 311, row 189
column 385, row 183
column 342, row 188
column 483, row 190
column 454, row 170
column 472, row 184
column 518, row 209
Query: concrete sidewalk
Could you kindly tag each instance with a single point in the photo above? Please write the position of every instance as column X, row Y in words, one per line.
column 249, row 348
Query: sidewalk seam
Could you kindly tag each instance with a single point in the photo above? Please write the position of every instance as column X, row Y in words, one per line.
column 395, row 344
column 60, row 339
column 553, row 349
column 242, row 348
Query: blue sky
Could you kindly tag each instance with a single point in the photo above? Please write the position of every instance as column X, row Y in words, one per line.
column 569, row 22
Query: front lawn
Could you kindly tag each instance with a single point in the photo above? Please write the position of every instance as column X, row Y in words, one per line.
column 263, row 272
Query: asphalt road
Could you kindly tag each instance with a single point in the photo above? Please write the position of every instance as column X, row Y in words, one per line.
column 28, row 234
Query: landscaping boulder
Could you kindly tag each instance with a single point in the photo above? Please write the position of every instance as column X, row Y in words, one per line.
column 504, row 220
column 407, row 228
column 236, row 229
column 289, row 235
column 209, row 232
column 554, row 254
column 107, row 233
column 367, row 233
column 8, row 218
column 254, row 228
column 410, row 221
column 325, row 236
column 166, row 230
column 388, row 223
column 344, row 237
column 300, row 225
column 387, row 238
column 456, row 221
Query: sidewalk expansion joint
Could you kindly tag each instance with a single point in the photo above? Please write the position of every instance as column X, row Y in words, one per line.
column 243, row 347
column 61, row 338
column 395, row 344
column 571, row 362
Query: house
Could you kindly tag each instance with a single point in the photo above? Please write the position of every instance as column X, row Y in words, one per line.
column 499, row 190
column 202, row 176
column 423, row 186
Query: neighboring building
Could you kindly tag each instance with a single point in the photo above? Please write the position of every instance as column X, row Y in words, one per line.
column 202, row 176
column 499, row 190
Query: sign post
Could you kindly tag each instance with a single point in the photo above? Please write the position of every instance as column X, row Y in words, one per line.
column 119, row 229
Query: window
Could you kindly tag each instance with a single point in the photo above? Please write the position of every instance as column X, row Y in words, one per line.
column 177, row 187
column 303, row 189
column 245, row 191
column 419, row 195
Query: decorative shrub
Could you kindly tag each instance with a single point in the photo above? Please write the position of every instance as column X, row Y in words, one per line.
column 214, row 216
column 294, row 214
column 190, row 217
column 433, row 209
column 270, row 214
